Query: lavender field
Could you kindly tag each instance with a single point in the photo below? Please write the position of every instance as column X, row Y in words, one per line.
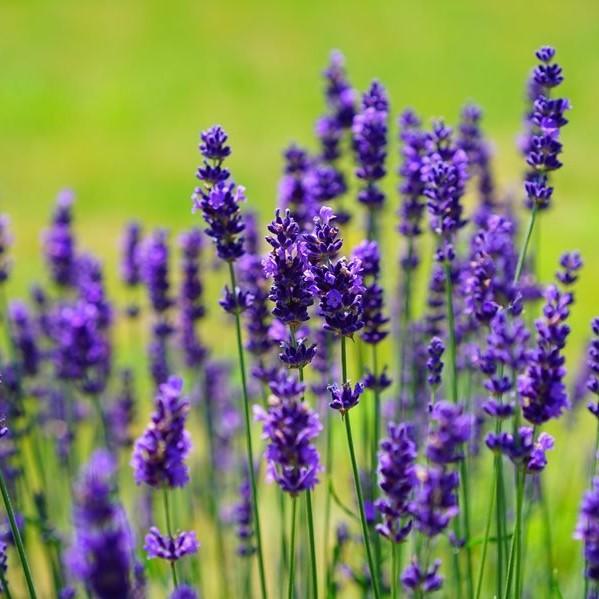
column 362, row 363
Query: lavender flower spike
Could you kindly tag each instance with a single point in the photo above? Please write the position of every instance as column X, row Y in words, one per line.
column 587, row 530
column 5, row 242
column 159, row 454
column 171, row 548
column 593, row 366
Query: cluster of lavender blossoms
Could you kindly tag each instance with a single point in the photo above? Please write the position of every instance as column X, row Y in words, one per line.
column 444, row 399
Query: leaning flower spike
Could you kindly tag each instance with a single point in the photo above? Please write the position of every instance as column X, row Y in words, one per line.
column 218, row 198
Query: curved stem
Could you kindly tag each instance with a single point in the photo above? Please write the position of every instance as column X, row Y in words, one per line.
column 17, row 537
column 514, row 565
column 292, row 549
column 394, row 570
column 248, row 436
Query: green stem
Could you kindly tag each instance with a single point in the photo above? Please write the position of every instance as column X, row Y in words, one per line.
column 358, row 485
column 483, row 558
column 548, row 537
column 327, row 500
column 376, row 433
column 17, row 537
column 499, row 519
column 452, row 361
column 169, row 530
column 394, row 569
column 404, row 323
column 312, row 544
column 514, row 565
column 292, row 549
column 284, row 551
column 248, row 436
column 524, row 249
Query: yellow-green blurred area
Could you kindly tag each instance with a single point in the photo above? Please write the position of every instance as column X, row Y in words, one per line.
column 108, row 97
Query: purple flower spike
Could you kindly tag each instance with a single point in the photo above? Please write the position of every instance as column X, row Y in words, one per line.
column 344, row 398
column 298, row 355
column 593, row 367
column 397, row 479
column 24, row 337
column 434, row 364
column 571, row 263
column 289, row 426
column 452, row 429
column 130, row 254
column 541, row 386
column 587, row 530
column 341, row 98
column 236, row 303
column 170, row 548
column 159, row 454
column 59, row 242
column 416, row 580
column 287, row 265
column 102, row 552
column 523, row 449
column 294, row 194
column 218, row 198
column 324, row 243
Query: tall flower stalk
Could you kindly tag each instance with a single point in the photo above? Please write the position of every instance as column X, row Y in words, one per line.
column 218, row 199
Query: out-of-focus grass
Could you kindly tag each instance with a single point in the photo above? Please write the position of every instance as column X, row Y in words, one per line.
column 109, row 97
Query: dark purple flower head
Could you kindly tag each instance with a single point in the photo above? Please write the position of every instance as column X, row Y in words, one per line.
column 397, row 479
column 221, row 211
column 453, row 427
column 370, row 133
column 592, row 382
column 417, row 580
column 341, row 98
column 170, row 548
column 90, row 284
column 59, row 242
column 24, row 338
column 523, row 449
column 587, row 530
column 155, row 270
column 159, row 454
column 122, row 411
column 323, row 183
column 286, row 386
column 289, row 426
column 414, row 149
column 376, row 383
column 345, row 397
column 297, row 355
column 541, row 386
column 130, row 254
column 541, row 142
column 370, row 257
column 102, row 552
column 329, row 134
column 324, row 243
column 214, row 150
column 242, row 518
column 287, row 265
column 340, row 291
column 444, row 174
column 236, row 303
column 434, row 364
column 81, row 353
column 5, row 243
column 436, row 502
column 571, row 263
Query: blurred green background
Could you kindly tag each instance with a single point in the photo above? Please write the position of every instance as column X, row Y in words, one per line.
column 109, row 97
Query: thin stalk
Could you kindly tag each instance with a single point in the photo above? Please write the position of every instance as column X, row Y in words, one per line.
column 376, row 433
column 524, row 249
column 283, row 540
column 248, row 436
column 169, row 530
column 358, row 485
column 17, row 537
column 483, row 558
column 548, row 537
column 514, row 565
column 394, row 569
column 327, row 499
column 452, row 360
column 292, row 549
column 499, row 522
column 312, row 544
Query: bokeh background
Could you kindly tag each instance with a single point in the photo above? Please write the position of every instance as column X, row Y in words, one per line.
column 109, row 97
